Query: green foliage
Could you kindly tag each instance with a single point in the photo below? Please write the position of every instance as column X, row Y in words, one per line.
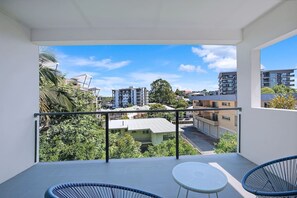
column 158, row 106
column 283, row 102
column 227, row 143
column 80, row 138
column 181, row 104
column 76, row 138
column 125, row 147
column 267, row 90
column 167, row 148
column 125, row 117
column 161, row 92
column 179, row 93
column 282, row 89
column 50, row 86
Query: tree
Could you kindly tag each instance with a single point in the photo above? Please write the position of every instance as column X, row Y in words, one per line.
column 76, row 138
column 167, row 148
column 283, row 102
column 267, row 90
column 124, row 117
column 168, row 116
column 283, row 89
column 227, row 143
column 181, row 104
column 161, row 92
column 81, row 138
column 179, row 93
column 51, row 93
column 157, row 106
column 125, row 147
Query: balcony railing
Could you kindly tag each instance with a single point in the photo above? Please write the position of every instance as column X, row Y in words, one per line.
column 107, row 114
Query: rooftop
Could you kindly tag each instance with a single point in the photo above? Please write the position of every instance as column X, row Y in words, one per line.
column 156, row 125
column 215, row 97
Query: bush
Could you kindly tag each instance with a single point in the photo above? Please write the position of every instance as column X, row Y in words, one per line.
column 227, row 143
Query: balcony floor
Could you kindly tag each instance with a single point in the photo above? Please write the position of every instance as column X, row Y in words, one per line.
column 148, row 174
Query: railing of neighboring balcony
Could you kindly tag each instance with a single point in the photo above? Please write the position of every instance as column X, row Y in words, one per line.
column 42, row 124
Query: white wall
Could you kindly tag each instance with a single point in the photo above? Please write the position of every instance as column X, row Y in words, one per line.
column 266, row 134
column 18, row 99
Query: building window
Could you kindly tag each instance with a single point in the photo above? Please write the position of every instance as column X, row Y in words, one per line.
column 225, row 103
column 167, row 137
column 226, row 118
column 145, row 132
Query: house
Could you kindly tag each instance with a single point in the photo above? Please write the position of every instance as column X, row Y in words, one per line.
column 265, row 134
column 147, row 131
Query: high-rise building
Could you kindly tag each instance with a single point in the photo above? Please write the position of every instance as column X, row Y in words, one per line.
column 277, row 77
column 269, row 78
column 130, row 96
column 227, row 83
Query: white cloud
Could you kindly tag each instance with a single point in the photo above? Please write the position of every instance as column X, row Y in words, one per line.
column 218, row 57
column 191, row 68
column 91, row 61
column 103, row 63
column 262, row 66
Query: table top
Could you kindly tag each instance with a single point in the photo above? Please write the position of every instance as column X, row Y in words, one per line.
column 199, row 177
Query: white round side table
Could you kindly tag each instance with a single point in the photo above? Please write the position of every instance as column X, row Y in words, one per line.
column 199, row 177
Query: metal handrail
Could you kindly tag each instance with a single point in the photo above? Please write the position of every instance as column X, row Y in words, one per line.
column 106, row 114
column 135, row 111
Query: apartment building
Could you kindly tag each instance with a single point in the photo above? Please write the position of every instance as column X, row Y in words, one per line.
column 130, row 96
column 269, row 78
column 227, row 83
column 277, row 77
column 214, row 123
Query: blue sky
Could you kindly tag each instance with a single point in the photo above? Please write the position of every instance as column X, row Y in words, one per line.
column 190, row 67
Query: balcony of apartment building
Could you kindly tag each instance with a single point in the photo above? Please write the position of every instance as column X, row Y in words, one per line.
column 266, row 134
column 208, row 118
column 206, row 104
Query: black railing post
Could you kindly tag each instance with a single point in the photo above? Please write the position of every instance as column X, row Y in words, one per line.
column 35, row 141
column 106, row 138
column 239, row 132
column 177, row 134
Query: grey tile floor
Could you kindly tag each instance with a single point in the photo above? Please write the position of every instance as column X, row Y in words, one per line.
column 148, row 174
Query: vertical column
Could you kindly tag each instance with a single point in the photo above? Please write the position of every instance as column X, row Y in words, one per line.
column 106, row 138
column 176, row 134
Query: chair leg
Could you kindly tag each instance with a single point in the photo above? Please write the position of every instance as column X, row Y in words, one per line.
column 187, row 193
column 178, row 191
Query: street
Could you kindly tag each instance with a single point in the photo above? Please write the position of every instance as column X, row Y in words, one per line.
column 202, row 142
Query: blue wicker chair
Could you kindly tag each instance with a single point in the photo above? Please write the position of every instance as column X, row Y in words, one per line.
column 95, row 190
column 277, row 178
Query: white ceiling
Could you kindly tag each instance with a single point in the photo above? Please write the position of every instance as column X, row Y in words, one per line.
column 136, row 20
